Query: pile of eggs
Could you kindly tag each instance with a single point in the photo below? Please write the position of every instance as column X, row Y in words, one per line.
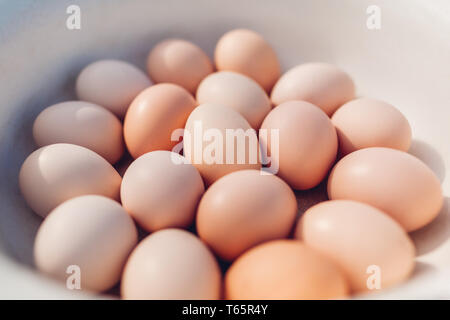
column 108, row 166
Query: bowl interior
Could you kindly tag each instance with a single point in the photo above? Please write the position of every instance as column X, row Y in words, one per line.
column 405, row 63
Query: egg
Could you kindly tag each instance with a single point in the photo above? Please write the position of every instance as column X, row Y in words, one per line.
column 58, row 172
column 247, row 52
column 322, row 84
column 171, row 264
column 90, row 236
column 361, row 240
column 284, row 269
column 307, row 143
column 178, row 61
column 391, row 180
column 154, row 115
column 218, row 140
column 236, row 91
column 81, row 123
column 112, row 84
column 232, row 219
column 364, row 123
column 160, row 191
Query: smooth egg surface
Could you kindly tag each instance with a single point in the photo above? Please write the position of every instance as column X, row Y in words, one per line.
column 307, row 143
column 160, row 191
column 171, row 264
column 112, row 84
column 236, row 91
column 362, row 240
column 364, row 123
column 212, row 150
column 179, row 61
column 322, row 84
column 91, row 235
column 284, row 269
column 247, row 52
column 243, row 209
column 154, row 116
column 391, row 180
column 81, row 123
column 59, row 172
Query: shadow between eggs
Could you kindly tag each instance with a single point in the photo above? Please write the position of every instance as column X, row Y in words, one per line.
column 430, row 156
column 434, row 234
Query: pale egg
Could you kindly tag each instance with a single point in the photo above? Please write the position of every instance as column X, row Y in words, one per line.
column 247, row 52
column 82, row 123
column 58, row 172
column 85, row 242
column 364, row 123
column 171, row 264
column 369, row 246
column 305, row 146
column 112, row 84
column 178, row 61
column 243, row 209
column 218, row 140
column 391, row 180
column 322, row 84
column 160, row 190
column 238, row 92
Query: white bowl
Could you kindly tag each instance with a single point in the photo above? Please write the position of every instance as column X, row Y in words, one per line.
column 406, row 63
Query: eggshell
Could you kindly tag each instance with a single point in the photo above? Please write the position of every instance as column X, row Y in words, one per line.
column 180, row 62
column 171, row 264
column 393, row 181
column 81, row 123
column 160, row 191
column 243, row 209
column 307, row 143
column 245, row 51
column 364, row 123
column 236, row 91
column 284, row 269
column 322, row 84
column 357, row 236
column 216, row 119
column 112, row 84
column 93, row 233
column 59, row 172
column 154, row 115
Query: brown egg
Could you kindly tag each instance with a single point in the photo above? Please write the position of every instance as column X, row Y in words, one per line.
column 364, row 123
column 307, row 143
column 359, row 239
column 81, row 123
column 171, row 264
column 160, row 191
column 238, row 92
column 154, row 115
column 218, row 140
column 180, row 62
column 243, row 209
column 90, row 236
column 112, row 84
column 284, row 269
column 245, row 51
column 393, row 181
column 322, row 84
column 59, row 172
